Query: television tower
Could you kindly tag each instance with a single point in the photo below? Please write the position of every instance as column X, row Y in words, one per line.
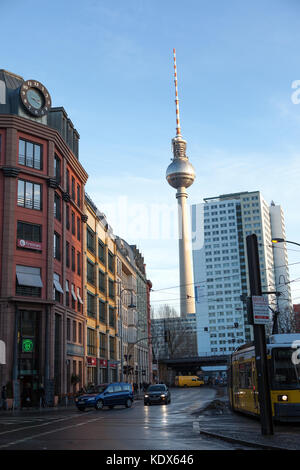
column 180, row 175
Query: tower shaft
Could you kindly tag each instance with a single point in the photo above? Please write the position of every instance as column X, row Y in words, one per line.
column 187, row 297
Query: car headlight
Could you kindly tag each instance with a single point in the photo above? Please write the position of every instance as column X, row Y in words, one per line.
column 146, row 396
column 283, row 397
column 163, row 396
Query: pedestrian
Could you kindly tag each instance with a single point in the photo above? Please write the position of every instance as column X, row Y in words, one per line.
column 4, row 397
column 42, row 396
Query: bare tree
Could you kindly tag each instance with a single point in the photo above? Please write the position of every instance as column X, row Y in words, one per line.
column 173, row 336
column 286, row 321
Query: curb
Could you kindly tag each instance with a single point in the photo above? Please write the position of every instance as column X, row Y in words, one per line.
column 240, row 441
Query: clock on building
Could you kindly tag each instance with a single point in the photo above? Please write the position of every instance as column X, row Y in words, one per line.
column 35, row 98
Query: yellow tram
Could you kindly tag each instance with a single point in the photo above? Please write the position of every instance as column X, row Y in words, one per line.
column 284, row 372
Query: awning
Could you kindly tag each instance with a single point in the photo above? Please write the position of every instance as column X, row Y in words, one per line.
column 67, row 286
column 78, row 296
column 73, row 293
column 57, row 286
column 28, row 276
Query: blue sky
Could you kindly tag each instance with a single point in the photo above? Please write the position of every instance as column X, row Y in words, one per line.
column 110, row 64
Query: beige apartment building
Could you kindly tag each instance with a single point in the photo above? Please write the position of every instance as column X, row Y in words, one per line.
column 102, row 342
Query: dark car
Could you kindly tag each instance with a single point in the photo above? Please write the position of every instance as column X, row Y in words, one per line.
column 158, row 393
column 106, row 395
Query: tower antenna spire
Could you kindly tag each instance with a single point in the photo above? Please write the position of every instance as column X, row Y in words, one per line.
column 178, row 128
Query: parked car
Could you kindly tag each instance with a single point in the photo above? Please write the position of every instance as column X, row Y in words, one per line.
column 158, row 393
column 106, row 395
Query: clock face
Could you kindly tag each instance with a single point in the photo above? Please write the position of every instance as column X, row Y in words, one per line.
column 35, row 98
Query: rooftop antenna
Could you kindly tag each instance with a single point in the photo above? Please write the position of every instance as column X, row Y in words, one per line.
column 178, row 129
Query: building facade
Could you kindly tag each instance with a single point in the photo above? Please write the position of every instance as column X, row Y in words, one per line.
column 220, row 226
column 42, row 188
column 102, row 344
column 63, row 272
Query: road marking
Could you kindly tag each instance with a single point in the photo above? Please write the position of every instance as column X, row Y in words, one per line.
column 39, row 425
column 48, row 432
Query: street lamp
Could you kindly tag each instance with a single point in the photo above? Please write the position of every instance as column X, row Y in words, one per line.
column 282, row 240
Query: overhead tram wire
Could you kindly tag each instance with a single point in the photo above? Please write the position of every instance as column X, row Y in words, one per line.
column 219, row 278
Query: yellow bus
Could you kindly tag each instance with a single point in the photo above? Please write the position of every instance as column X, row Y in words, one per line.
column 283, row 359
column 188, row 381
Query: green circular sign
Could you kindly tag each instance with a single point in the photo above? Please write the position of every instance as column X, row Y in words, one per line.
column 27, row 345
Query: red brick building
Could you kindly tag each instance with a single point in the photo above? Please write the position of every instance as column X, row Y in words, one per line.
column 41, row 244
column 297, row 317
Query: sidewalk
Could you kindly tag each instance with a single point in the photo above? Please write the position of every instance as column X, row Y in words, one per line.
column 218, row 421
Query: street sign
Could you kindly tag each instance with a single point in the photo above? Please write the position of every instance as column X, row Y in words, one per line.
column 261, row 312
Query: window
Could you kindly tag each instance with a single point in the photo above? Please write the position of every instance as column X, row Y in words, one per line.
column 78, row 195
column 79, row 333
column 57, row 207
column 67, row 217
column 90, row 240
column 102, row 345
column 74, row 331
column 111, row 347
column 29, row 232
column 67, row 294
column 74, row 298
column 73, row 259
column 56, row 246
column 78, row 263
column 29, row 195
column 68, row 329
column 102, row 311
column 101, row 251
column 91, row 342
column 111, row 289
column 57, row 289
column 57, row 169
column 91, row 305
column 73, row 223
column 29, row 282
column 78, row 229
column 102, row 283
column 111, row 265
column 112, row 317
column 73, row 188
column 30, row 154
column 68, row 181
column 67, row 254
column 90, row 272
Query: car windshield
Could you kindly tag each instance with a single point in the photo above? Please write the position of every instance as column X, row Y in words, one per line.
column 156, row 388
column 286, row 369
column 96, row 389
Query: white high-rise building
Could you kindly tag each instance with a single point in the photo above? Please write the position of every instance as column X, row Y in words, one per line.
column 220, row 226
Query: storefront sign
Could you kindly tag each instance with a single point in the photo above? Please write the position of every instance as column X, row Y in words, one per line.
column 29, row 245
column 103, row 362
column 27, row 345
column 91, row 361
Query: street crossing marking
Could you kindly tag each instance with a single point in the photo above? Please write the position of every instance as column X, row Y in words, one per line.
column 48, row 432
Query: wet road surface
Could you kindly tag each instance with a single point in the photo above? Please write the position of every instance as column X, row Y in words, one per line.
column 156, row 427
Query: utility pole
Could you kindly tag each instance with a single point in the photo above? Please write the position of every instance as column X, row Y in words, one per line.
column 259, row 340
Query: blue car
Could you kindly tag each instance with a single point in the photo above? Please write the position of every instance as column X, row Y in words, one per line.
column 106, row 395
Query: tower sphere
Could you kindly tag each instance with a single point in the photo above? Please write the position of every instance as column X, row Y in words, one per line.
column 180, row 173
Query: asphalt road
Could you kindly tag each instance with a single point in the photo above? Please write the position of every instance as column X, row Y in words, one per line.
column 156, row 427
